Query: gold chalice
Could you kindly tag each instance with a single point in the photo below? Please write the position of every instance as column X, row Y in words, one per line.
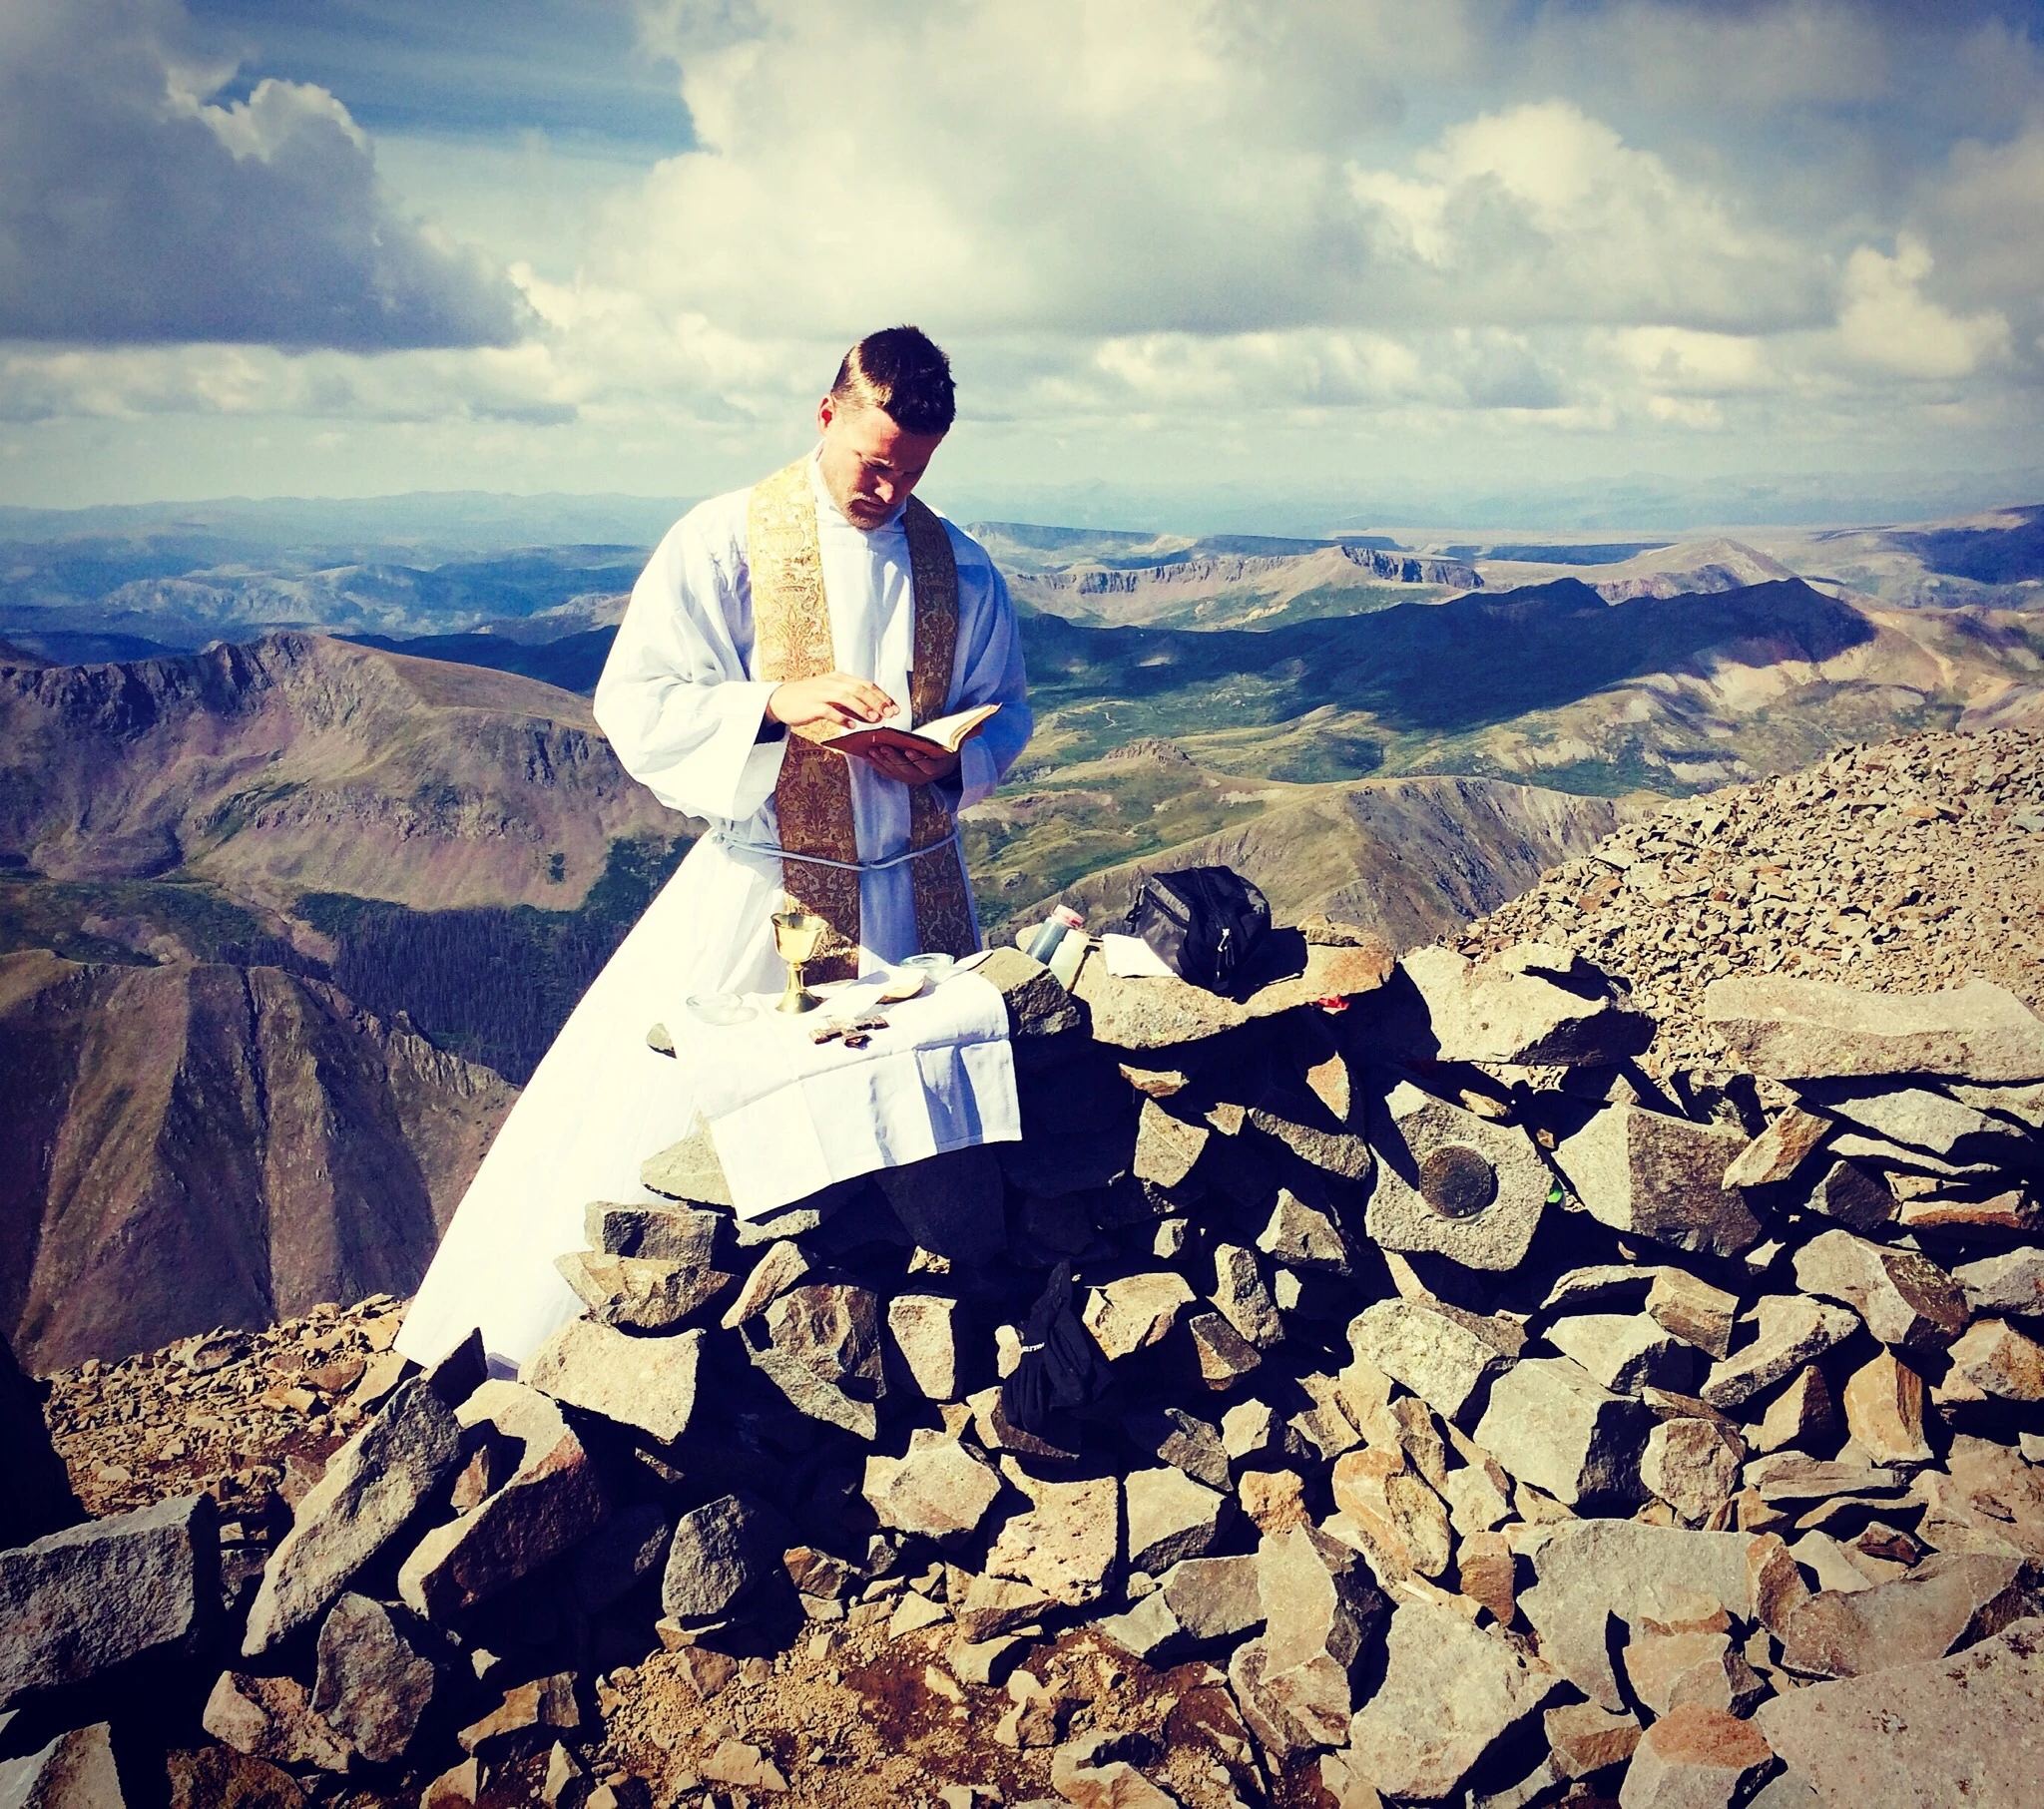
column 796, row 937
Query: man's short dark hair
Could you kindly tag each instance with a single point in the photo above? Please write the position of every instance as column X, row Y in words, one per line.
column 900, row 371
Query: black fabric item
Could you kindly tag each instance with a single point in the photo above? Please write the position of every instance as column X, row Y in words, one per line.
column 1203, row 923
column 951, row 1203
column 1061, row 1368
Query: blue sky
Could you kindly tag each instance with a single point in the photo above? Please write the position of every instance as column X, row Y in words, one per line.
column 1302, row 259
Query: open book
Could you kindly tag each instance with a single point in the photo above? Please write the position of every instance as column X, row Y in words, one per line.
column 946, row 733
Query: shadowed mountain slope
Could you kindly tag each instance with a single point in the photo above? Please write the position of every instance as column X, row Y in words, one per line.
column 1436, row 667
column 1408, row 859
column 193, row 1145
column 573, row 662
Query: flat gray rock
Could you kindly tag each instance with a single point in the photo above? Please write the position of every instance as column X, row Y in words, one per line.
column 1303, row 1233
column 1798, row 1029
column 1963, row 1729
column 1661, row 1177
column 1241, row 1298
column 1793, row 1332
column 939, row 1489
column 1854, row 1195
column 1188, row 1444
column 1213, row 1599
column 1453, row 1183
column 79, row 1601
column 648, row 1382
column 718, row 1553
column 823, row 1350
column 923, row 1330
column 1905, row 1300
column 1920, row 1118
column 1626, row 1352
column 1944, row 1603
column 1295, row 1680
column 1065, row 1544
column 1594, row 1572
column 1442, row 1360
column 1166, row 1148
column 684, row 1234
column 553, row 1498
column 1451, row 1008
column 1695, row 1758
column 376, row 1677
column 370, row 1489
column 2009, row 1284
column 1170, row 1518
column 646, row 1293
column 1147, row 1630
column 1037, row 1005
column 1692, row 1464
column 1450, row 1693
column 75, row 1770
column 1550, row 1424
column 689, row 1169
column 1297, row 1117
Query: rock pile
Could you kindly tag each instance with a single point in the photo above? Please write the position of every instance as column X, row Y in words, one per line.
column 1904, row 866
column 1491, row 1421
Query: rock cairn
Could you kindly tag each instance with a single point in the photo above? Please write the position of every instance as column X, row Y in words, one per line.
column 1492, row 1421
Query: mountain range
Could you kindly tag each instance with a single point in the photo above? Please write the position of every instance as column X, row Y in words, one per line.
column 281, row 924
column 284, row 918
column 298, row 762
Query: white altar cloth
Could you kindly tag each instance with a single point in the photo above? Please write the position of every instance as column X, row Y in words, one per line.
column 788, row 1115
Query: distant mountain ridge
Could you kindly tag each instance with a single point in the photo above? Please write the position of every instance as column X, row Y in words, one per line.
column 298, row 762
column 1239, row 590
column 1682, row 569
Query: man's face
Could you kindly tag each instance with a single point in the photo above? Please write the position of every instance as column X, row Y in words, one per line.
column 870, row 464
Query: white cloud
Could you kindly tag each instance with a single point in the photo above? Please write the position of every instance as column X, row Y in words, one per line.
column 1888, row 322
column 1474, row 221
column 1545, row 212
column 1984, row 211
column 135, row 209
column 1675, row 359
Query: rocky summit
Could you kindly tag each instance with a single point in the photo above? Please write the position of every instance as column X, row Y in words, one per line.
column 1601, row 1360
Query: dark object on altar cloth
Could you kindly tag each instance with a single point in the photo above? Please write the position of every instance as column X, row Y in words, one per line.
column 1203, row 923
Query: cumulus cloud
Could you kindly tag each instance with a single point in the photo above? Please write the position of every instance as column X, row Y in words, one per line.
column 1117, row 166
column 1454, row 221
column 139, row 207
column 1887, row 320
column 1545, row 212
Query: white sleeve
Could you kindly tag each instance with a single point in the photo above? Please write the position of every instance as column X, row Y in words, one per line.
column 677, row 698
column 988, row 670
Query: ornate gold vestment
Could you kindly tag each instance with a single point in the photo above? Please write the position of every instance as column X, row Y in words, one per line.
column 813, row 798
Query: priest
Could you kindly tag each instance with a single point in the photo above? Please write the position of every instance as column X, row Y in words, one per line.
column 826, row 597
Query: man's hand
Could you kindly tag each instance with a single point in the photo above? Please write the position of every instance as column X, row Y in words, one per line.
column 828, row 698
column 909, row 765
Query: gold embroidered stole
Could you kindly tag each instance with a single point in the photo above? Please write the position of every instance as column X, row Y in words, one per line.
column 812, row 799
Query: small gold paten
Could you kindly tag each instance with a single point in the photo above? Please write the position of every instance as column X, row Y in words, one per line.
column 796, row 937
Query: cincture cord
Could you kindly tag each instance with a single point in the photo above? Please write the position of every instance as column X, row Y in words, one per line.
column 775, row 852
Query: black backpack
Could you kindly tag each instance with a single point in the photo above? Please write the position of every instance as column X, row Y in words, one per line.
column 1203, row 923
column 1061, row 1366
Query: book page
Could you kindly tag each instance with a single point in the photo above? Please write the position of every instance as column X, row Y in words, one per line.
column 946, row 732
